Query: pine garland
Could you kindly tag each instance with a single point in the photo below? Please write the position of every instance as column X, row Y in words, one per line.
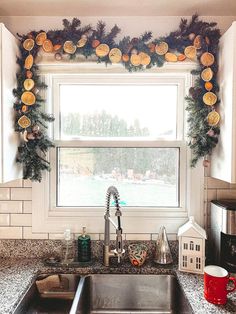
column 136, row 54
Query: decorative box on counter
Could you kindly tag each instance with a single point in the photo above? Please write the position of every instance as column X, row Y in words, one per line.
column 192, row 239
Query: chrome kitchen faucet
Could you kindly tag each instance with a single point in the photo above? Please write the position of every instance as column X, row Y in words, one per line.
column 119, row 251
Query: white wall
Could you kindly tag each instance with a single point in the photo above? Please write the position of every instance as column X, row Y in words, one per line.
column 130, row 25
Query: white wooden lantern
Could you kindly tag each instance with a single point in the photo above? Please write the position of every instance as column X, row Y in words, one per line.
column 192, row 239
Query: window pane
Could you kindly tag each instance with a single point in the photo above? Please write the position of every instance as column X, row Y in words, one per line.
column 143, row 176
column 118, row 111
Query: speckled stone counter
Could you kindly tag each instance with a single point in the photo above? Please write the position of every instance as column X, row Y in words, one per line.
column 16, row 275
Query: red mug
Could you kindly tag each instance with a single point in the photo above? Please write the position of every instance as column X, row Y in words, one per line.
column 216, row 280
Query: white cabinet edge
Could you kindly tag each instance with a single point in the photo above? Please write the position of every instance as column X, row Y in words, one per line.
column 9, row 139
column 223, row 165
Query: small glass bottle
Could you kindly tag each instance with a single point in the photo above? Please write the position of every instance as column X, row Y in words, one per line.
column 84, row 247
column 68, row 248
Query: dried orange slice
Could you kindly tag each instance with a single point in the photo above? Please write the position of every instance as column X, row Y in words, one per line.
column 24, row 122
column 29, row 74
column 190, row 52
column 145, row 58
column 82, row 42
column 181, row 57
column 152, row 47
column 198, row 42
column 115, row 55
column 135, row 60
column 40, row 38
column 207, row 40
column 125, row 57
column 29, row 62
column 24, row 108
column 28, row 98
column 28, row 84
column 213, row 118
column 209, row 98
column 171, row 57
column 208, row 86
column 57, row 47
column 69, row 47
column 207, row 59
column 47, row 45
column 28, row 44
column 102, row 50
column 207, row 74
column 95, row 43
column 162, row 48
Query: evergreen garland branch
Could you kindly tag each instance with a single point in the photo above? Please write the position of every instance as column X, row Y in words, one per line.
column 109, row 38
column 100, row 31
column 202, row 136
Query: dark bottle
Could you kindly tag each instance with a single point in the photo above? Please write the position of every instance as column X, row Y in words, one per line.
column 84, row 247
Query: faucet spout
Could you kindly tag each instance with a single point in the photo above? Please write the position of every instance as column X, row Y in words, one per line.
column 119, row 251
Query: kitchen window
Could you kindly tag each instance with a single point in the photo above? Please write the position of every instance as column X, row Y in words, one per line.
column 119, row 133
column 126, row 130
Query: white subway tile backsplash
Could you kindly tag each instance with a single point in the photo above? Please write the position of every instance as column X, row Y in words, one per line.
column 12, row 184
column 21, row 194
column 213, row 183
column 27, row 183
column 112, row 236
column 211, row 194
column 226, row 194
column 21, row 220
column 10, row 206
column 16, row 210
column 170, row 236
column 10, row 232
column 28, row 234
column 27, row 207
column 58, row 236
column 4, row 194
column 4, row 219
column 138, row 236
column 93, row 236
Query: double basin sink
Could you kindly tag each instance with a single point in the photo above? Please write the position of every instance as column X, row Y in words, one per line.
column 107, row 294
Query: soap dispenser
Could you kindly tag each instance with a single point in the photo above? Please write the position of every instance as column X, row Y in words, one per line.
column 84, row 247
column 68, row 248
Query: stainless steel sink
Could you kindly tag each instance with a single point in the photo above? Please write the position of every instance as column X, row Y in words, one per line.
column 123, row 294
column 51, row 300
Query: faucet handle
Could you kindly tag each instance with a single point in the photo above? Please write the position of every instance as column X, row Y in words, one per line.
column 119, row 251
column 118, row 213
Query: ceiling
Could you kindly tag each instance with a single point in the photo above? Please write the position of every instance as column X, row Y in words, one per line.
column 117, row 8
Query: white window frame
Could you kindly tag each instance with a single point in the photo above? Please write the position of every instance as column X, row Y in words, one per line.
column 49, row 218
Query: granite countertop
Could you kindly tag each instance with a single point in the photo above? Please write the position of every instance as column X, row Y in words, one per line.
column 16, row 275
